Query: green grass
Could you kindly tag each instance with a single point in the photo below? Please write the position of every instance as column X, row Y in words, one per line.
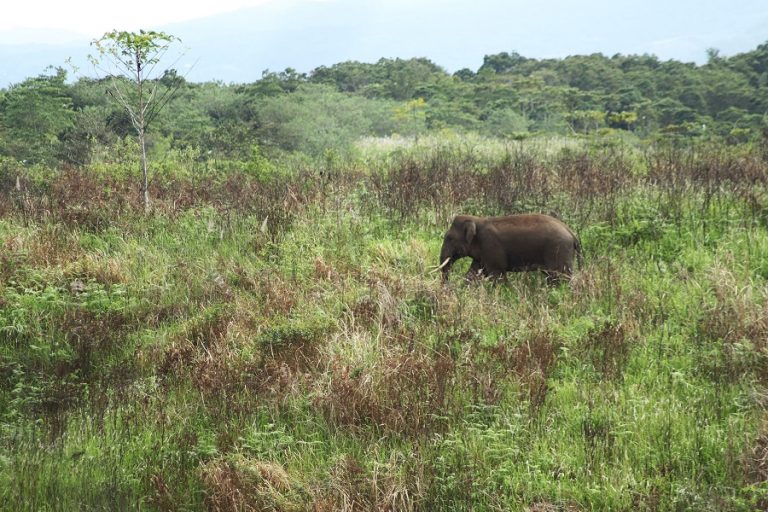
column 191, row 359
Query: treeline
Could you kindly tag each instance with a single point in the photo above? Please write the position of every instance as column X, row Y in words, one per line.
column 48, row 120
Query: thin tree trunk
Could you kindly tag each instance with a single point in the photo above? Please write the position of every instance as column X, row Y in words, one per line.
column 144, row 172
column 142, row 131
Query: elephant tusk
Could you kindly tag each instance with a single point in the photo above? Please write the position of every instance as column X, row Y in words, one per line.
column 442, row 265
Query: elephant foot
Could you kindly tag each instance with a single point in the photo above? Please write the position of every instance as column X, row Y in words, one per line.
column 474, row 275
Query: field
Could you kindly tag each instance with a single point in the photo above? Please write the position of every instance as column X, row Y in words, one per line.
column 270, row 336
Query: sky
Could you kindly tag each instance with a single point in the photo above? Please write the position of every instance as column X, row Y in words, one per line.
column 235, row 40
column 92, row 18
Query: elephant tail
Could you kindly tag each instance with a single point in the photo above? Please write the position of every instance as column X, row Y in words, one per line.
column 577, row 248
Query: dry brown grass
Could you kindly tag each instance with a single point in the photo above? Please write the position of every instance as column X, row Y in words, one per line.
column 350, row 487
column 230, row 357
column 290, row 357
column 401, row 393
column 736, row 329
column 92, row 333
column 545, row 506
column 494, row 370
column 278, row 295
column 93, row 202
column 755, row 462
column 47, row 247
column 79, row 199
column 162, row 496
column 190, row 353
column 708, row 168
column 380, row 370
column 238, row 484
column 105, row 271
column 607, row 347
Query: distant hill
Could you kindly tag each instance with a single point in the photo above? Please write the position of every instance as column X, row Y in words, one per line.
column 301, row 34
column 20, row 61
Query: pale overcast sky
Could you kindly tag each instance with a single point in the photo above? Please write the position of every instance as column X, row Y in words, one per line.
column 94, row 17
column 235, row 40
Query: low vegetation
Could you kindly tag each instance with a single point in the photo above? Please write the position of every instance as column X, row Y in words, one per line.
column 270, row 337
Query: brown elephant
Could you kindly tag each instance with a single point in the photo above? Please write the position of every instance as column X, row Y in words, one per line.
column 514, row 243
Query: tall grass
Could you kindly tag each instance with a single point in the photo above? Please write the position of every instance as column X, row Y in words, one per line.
column 276, row 342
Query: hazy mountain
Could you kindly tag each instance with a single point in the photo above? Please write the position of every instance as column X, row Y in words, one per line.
column 238, row 46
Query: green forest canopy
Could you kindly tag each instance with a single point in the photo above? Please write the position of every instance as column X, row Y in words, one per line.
column 46, row 119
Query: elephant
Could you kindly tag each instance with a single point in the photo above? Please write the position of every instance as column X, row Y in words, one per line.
column 513, row 243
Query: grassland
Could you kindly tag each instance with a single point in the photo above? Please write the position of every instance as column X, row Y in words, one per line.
column 270, row 336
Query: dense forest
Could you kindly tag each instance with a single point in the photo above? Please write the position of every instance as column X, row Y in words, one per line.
column 271, row 333
column 47, row 119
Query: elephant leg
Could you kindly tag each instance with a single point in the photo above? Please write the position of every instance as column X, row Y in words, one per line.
column 556, row 277
column 558, row 268
column 475, row 271
column 496, row 272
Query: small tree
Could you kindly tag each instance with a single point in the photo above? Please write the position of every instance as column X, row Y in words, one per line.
column 129, row 59
column 34, row 115
column 413, row 114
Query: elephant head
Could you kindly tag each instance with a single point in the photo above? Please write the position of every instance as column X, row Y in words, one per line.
column 458, row 242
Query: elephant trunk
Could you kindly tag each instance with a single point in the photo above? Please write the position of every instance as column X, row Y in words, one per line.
column 446, row 261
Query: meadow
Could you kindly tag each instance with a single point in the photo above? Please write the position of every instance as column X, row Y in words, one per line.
column 270, row 336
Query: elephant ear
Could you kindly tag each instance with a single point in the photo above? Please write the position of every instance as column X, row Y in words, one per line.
column 470, row 230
